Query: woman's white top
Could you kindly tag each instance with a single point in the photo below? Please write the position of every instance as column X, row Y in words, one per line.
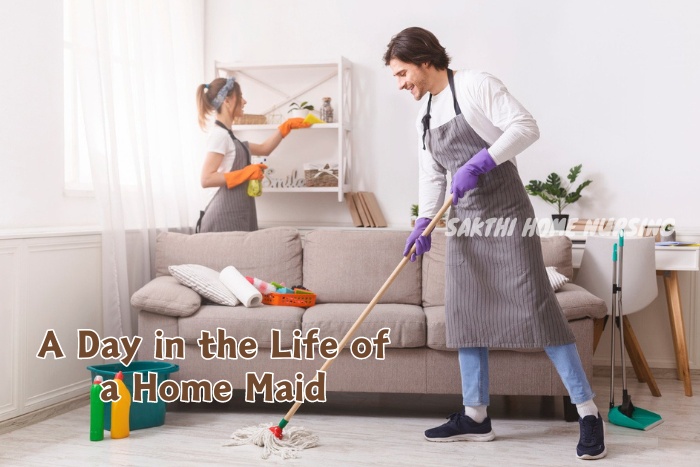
column 491, row 111
column 219, row 141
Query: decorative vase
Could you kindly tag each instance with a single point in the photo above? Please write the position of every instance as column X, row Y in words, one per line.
column 560, row 221
column 667, row 236
column 326, row 110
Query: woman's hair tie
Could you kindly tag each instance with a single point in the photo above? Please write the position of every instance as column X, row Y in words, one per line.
column 223, row 92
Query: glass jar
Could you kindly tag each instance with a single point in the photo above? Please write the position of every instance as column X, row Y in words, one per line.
column 326, row 112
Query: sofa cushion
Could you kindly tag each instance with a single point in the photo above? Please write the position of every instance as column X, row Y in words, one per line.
column 205, row 281
column 166, row 296
column 556, row 251
column 433, row 276
column 351, row 267
column 576, row 303
column 240, row 322
column 268, row 254
column 406, row 322
column 556, row 279
column 435, row 328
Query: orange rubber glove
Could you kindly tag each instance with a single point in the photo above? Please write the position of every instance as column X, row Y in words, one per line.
column 249, row 172
column 292, row 124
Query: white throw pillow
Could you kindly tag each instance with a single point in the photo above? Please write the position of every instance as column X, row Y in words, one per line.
column 556, row 279
column 204, row 281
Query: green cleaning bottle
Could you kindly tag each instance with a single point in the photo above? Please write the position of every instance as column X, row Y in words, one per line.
column 97, row 411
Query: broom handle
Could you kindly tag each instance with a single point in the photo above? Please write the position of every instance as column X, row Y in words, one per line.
column 376, row 298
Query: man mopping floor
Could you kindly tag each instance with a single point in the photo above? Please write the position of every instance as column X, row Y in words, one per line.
column 497, row 290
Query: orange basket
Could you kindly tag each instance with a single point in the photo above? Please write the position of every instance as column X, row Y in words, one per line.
column 290, row 299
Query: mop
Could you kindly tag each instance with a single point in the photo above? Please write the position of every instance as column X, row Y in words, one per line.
column 271, row 438
column 626, row 414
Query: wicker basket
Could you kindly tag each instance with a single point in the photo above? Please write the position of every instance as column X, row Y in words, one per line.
column 250, row 119
column 290, row 299
column 319, row 175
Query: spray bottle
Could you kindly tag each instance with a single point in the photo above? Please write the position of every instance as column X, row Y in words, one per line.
column 97, row 411
column 120, row 409
column 255, row 187
column 262, row 286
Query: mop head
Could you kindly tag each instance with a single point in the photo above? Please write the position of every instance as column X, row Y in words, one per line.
column 293, row 440
column 640, row 420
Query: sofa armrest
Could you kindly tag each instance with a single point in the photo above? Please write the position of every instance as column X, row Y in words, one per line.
column 164, row 295
column 577, row 303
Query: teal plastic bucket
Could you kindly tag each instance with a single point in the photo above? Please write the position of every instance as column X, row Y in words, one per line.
column 142, row 414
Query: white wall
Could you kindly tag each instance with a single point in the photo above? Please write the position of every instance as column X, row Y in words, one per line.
column 611, row 84
column 31, row 120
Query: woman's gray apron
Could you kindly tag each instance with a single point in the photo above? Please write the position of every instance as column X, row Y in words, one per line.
column 497, row 293
column 231, row 209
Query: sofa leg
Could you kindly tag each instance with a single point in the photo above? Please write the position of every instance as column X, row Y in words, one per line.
column 570, row 412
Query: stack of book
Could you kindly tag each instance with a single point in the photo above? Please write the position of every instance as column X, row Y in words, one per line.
column 364, row 209
column 592, row 225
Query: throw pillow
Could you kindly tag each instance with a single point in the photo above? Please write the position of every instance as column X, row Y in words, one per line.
column 204, row 281
column 556, row 279
column 166, row 296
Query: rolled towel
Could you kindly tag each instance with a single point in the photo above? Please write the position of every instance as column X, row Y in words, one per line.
column 241, row 288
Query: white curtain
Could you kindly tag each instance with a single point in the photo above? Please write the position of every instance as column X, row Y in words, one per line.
column 137, row 66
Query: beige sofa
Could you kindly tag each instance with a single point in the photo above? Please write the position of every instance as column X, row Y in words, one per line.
column 345, row 269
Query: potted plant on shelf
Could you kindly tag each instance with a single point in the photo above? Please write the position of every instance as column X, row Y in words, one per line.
column 300, row 109
column 555, row 192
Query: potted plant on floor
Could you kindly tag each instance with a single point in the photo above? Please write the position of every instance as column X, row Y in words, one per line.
column 558, row 193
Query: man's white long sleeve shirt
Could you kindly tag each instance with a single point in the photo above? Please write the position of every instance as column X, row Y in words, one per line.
column 491, row 111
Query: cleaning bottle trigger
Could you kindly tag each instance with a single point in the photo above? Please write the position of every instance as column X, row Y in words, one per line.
column 97, row 411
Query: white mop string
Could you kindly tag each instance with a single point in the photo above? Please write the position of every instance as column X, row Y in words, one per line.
column 295, row 439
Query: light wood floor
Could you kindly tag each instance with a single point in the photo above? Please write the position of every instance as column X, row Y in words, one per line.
column 372, row 430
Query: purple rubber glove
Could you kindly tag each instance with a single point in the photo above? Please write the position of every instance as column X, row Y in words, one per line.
column 422, row 243
column 467, row 176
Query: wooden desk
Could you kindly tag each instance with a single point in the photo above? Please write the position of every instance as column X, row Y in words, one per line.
column 669, row 260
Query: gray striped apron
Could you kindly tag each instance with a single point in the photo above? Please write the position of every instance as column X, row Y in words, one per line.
column 497, row 293
column 231, row 209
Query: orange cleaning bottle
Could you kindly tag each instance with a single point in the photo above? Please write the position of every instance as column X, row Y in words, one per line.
column 120, row 409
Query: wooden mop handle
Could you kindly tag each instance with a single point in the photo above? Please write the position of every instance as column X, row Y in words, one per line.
column 376, row 298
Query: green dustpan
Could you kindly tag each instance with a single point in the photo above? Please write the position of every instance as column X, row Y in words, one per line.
column 640, row 420
column 626, row 415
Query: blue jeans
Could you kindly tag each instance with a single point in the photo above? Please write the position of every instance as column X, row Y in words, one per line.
column 474, row 367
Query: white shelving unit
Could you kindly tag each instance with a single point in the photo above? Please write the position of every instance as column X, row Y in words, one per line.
column 269, row 89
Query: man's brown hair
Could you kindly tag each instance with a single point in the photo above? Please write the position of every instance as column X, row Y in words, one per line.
column 417, row 45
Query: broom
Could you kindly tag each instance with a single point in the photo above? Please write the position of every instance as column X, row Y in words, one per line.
column 272, row 438
column 626, row 414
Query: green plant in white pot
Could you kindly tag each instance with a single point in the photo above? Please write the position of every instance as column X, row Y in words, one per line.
column 558, row 193
column 302, row 109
